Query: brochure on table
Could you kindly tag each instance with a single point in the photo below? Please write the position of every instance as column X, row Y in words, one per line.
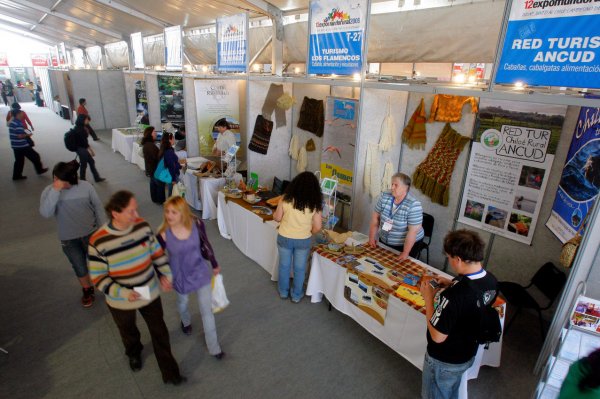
column 336, row 36
column 552, row 43
column 232, row 43
column 509, row 166
column 580, row 180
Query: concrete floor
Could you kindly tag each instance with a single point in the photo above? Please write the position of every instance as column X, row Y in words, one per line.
column 274, row 349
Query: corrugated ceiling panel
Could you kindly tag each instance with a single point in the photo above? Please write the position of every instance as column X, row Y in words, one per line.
column 78, row 30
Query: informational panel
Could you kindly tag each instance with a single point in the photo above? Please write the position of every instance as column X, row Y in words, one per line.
column 509, row 166
column 552, row 43
column 3, row 59
column 141, row 100
column 339, row 141
column 173, row 48
column 39, row 59
column 337, row 30
column 580, row 180
column 137, row 45
column 62, row 54
column 216, row 100
column 170, row 91
column 232, row 43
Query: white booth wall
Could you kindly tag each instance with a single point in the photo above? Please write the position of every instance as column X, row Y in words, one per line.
column 130, row 79
column 59, row 87
column 85, row 85
column 153, row 100
column 191, row 119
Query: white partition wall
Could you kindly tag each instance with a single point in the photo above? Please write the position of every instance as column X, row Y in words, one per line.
column 85, row 85
column 153, row 100
column 191, row 120
column 114, row 99
column 130, row 79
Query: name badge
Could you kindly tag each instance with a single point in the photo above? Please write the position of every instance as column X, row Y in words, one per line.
column 387, row 225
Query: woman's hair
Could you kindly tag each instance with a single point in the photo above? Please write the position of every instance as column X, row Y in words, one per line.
column 591, row 378
column 16, row 105
column 405, row 179
column 117, row 202
column 304, row 192
column 165, row 144
column 465, row 244
column 81, row 101
column 148, row 135
column 15, row 112
column 180, row 205
column 66, row 171
column 223, row 123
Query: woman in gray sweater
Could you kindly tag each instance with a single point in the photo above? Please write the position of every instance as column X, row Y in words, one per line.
column 79, row 213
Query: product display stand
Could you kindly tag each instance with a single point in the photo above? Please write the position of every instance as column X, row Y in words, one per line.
column 230, row 159
column 328, row 188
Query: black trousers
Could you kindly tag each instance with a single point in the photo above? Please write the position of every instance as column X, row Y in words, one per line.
column 413, row 252
column 157, row 190
column 130, row 335
column 85, row 159
column 20, row 155
column 92, row 132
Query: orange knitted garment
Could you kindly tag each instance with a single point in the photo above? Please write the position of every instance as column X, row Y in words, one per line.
column 447, row 108
column 414, row 134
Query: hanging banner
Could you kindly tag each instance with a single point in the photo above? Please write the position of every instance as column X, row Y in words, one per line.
column 141, row 102
column 173, row 48
column 137, row 45
column 509, row 167
column 217, row 100
column 170, row 91
column 232, row 43
column 580, row 181
column 3, row 59
column 337, row 30
column 552, row 43
column 339, row 141
column 62, row 54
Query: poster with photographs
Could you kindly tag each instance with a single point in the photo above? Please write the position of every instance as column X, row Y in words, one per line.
column 510, row 161
column 586, row 314
column 141, row 102
column 170, row 91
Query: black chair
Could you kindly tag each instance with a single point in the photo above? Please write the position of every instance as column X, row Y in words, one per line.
column 428, row 222
column 548, row 279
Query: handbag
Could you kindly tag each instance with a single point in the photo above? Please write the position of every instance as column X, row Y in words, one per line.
column 162, row 173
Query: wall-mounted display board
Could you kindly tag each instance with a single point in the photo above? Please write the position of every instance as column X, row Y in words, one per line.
column 217, row 100
column 137, row 46
column 509, row 167
column 580, row 180
column 552, row 43
column 232, row 43
column 141, row 100
column 337, row 30
column 173, row 48
column 170, row 90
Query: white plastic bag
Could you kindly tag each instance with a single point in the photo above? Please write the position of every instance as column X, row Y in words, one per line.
column 179, row 189
column 219, row 297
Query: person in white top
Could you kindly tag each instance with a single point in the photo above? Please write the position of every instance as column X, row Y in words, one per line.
column 226, row 138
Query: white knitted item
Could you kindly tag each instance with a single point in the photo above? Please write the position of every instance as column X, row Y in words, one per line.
column 302, row 160
column 386, row 181
column 371, row 179
column 294, row 147
column 388, row 131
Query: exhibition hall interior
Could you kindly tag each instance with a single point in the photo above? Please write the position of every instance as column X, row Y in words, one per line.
column 300, row 199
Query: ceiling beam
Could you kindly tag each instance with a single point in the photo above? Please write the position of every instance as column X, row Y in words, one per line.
column 35, row 6
column 133, row 12
column 8, row 27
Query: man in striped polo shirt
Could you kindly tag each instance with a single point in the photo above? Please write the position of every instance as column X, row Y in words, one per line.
column 397, row 218
column 22, row 147
column 127, row 264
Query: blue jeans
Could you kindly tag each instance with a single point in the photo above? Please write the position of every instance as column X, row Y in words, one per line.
column 442, row 380
column 204, row 295
column 292, row 251
column 77, row 253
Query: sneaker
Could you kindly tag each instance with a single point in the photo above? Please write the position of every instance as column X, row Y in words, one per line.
column 220, row 356
column 187, row 330
column 44, row 170
column 135, row 362
column 87, row 299
column 175, row 381
column 100, row 180
column 20, row 178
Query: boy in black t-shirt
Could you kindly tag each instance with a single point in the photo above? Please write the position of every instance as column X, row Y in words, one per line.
column 453, row 325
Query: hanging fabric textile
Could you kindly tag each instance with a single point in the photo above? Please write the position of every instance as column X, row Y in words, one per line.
column 270, row 105
column 415, row 132
column 312, row 116
column 371, row 180
column 386, row 180
column 388, row 130
column 448, row 108
column 433, row 175
column 261, row 135
column 302, row 161
column 294, row 147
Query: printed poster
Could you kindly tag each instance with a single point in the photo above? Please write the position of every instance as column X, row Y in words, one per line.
column 173, row 48
column 232, row 43
column 509, row 167
column 337, row 30
column 586, row 314
column 552, row 43
column 39, row 59
column 170, row 91
column 137, row 45
column 141, row 100
column 216, row 100
column 339, row 141
column 3, row 59
column 580, row 180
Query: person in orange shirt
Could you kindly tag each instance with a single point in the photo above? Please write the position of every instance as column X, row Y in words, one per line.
column 82, row 110
column 26, row 120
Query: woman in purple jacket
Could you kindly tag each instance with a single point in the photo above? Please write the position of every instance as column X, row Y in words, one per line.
column 190, row 255
column 170, row 158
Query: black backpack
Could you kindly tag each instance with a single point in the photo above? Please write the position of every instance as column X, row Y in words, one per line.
column 490, row 329
column 71, row 141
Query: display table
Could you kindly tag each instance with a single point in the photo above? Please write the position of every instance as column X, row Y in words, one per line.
column 201, row 193
column 405, row 324
column 123, row 139
column 256, row 238
column 136, row 158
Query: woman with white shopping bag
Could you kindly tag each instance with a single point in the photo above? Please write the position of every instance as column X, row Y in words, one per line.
column 190, row 258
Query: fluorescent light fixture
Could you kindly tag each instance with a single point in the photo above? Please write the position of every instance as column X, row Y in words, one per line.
column 297, row 70
column 519, row 85
column 356, row 76
column 204, row 68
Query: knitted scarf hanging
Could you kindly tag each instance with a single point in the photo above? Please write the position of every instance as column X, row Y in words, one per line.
column 414, row 134
column 371, row 178
column 302, row 160
column 388, row 130
column 386, row 180
column 261, row 135
column 294, row 147
column 433, row 175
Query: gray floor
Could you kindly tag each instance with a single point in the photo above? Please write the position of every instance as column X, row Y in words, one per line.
column 274, row 349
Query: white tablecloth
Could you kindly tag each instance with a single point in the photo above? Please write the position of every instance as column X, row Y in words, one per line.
column 123, row 143
column 404, row 329
column 255, row 238
column 201, row 193
column 136, row 158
